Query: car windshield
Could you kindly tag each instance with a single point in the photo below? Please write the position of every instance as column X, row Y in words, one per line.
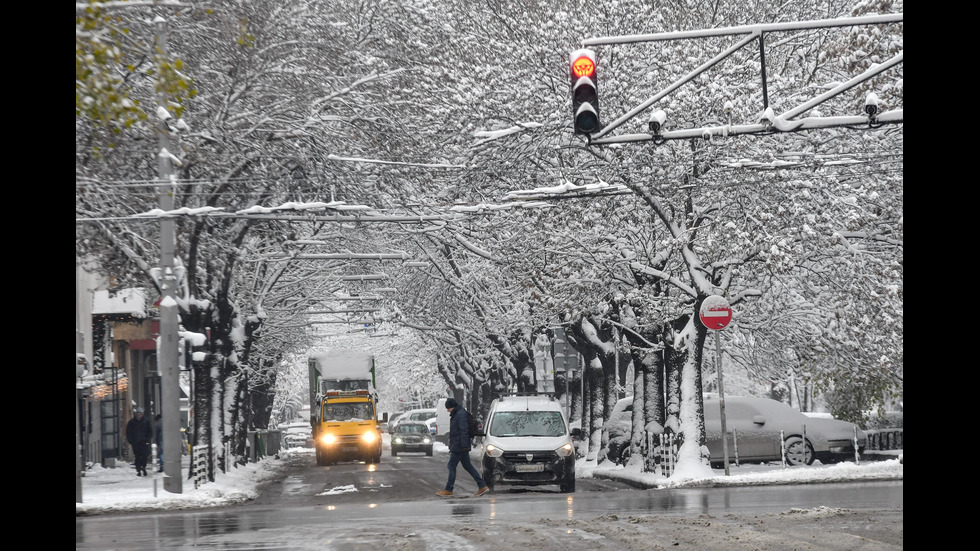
column 412, row 428
column 347, row 412
column 527, row 423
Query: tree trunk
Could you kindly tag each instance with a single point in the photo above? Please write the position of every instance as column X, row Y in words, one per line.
column 263, row 394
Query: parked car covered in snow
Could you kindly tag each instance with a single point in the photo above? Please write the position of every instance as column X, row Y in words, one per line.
column 297, row 435
column 762, row 428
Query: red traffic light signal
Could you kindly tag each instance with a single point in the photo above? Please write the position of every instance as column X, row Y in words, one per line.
column 585, row 91
column 583, row 65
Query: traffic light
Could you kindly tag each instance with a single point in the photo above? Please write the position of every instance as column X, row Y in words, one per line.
column 585, row 92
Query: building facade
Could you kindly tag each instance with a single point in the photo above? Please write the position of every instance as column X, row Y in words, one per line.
column 116, row 341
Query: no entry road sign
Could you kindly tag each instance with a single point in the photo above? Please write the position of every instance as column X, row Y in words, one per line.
column 715, row 313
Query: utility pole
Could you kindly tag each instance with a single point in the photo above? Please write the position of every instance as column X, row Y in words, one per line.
column 79, row 351
column 169, row 339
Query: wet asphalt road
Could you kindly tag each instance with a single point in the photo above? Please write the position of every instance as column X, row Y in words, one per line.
column 393, row 505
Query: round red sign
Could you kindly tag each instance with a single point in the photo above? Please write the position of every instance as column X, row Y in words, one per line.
column 715, row 313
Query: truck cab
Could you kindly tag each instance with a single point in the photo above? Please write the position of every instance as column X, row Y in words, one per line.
column 346, row 427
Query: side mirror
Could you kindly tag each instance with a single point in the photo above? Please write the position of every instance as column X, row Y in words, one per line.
column 576, row 432
column 384, row 417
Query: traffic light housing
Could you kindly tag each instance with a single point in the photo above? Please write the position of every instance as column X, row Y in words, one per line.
column 585, row 91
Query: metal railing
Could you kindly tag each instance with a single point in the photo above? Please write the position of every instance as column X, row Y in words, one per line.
column 659, row 453
column 885, row 439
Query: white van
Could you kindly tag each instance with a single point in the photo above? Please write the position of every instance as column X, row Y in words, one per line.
column 423, row 415
column 442, row 422
column 528, row 443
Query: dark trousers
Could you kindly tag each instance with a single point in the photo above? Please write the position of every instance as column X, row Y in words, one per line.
column 456, row 458
column 142, row 453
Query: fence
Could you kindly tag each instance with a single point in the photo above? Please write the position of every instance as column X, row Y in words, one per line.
column 260, row 443
column 885, row 439
column 659, row 453
column 200, row 457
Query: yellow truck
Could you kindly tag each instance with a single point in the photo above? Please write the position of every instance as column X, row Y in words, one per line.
column 343, row 407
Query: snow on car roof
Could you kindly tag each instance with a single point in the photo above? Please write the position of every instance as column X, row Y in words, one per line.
column 529, row 402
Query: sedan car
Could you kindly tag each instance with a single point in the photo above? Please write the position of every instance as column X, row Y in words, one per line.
column 411, row 436
column 762, row 430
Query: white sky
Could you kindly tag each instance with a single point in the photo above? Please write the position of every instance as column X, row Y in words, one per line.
column 119, row 489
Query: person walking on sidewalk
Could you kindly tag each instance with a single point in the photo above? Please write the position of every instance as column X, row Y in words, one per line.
column 139, row 434
column 459, row 449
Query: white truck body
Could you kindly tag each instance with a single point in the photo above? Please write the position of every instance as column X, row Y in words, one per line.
column 341, row 369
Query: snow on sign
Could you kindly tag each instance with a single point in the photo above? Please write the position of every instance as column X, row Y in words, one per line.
column 715, row 313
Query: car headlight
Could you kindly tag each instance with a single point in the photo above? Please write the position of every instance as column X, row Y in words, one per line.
column 494, row 451
column 328, row 439
column 398, row 440
column 369, row 436
column 564, row 451
column 426, row 440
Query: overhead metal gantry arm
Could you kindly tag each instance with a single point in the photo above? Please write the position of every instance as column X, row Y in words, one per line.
column 769, row 122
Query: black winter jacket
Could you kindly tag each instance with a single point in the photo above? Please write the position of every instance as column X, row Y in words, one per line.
column 139, row 431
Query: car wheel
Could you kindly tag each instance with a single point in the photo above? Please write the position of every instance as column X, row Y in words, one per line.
column 798, row 452
column 320, row 459
column 394, row 452
column 428, row 451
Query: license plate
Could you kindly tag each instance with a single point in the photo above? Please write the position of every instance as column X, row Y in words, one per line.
column 530, row 468
column 349, row 449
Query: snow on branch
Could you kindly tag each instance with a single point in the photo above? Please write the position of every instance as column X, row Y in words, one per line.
column 566, row 187
column 183, row 211
column 494, row 134
column 474, row 249
column 660, row 274
column 297, row 206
